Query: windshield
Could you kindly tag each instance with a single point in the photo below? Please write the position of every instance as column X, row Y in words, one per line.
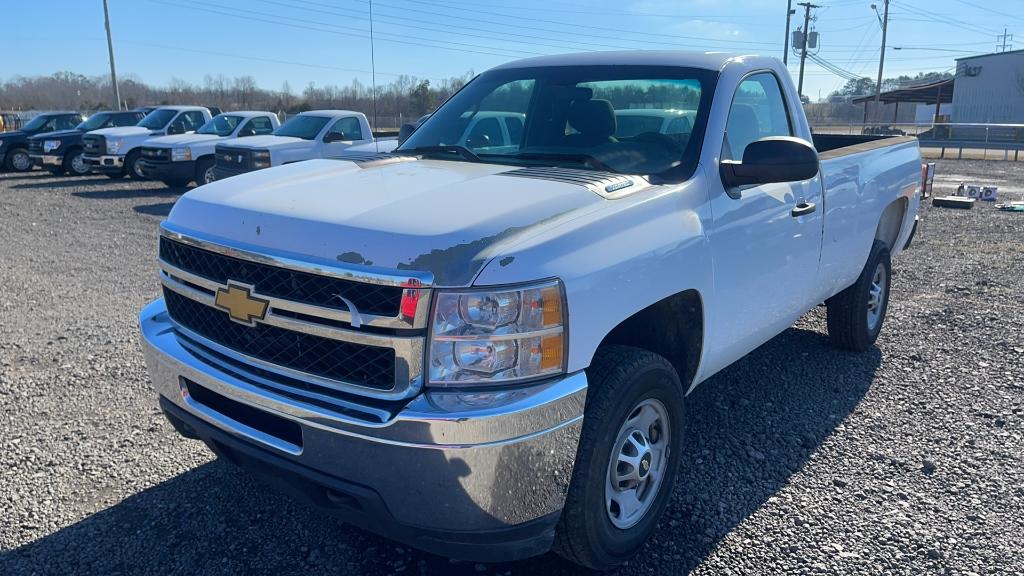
column 222, row 125
column 305, row 127
column 36, row 123
column 579, row 116
column 157, row 119
column 94, row 122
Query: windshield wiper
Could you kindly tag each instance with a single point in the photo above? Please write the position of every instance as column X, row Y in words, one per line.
column 447, row 149
column 577, row 157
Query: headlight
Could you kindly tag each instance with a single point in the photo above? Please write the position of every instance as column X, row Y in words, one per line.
column 261, row 159
column 50, row 145
column 113, row 146
column 497, row 336
column 181, row 154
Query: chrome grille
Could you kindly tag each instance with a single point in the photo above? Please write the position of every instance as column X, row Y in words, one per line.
column 304, row 335
column 94, row 144
column 156, row 154
column 35, row 146
column 357, row 364
column 282, row 283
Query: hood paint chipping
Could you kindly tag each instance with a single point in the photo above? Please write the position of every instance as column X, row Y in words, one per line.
column 446, row 218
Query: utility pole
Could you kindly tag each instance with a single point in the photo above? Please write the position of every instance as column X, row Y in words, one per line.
column 785, row 45
column 1004, row 38
column 881, row 59
column 110, row 51
column 803, row 49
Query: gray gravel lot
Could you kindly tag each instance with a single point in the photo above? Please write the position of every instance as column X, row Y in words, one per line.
column 804, row 459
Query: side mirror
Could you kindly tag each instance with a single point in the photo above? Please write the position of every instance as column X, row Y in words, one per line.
column 176, row 128
column 334, row 137
column 405, row 131
column 246, row 132
column 772, row 159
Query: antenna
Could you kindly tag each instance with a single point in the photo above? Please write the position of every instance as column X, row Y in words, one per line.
column 373, row 83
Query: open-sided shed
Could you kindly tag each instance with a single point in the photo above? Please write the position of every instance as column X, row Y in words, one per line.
column 937, row 93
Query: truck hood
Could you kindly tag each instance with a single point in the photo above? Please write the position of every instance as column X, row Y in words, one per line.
column 268, row 142
column 180, row 140
column 122, row 131
column 447, row 218
column 57, row 135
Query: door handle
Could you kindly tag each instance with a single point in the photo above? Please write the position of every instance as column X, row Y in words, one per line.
column 803, row 209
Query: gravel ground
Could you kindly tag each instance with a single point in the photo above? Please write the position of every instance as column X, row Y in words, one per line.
column 904, row 460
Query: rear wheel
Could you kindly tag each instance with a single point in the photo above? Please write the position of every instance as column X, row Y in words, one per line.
column 627, row 458
column 133, row 167
column 18, row 160
column 204, row 171
column 856, row 315
column 75, row 164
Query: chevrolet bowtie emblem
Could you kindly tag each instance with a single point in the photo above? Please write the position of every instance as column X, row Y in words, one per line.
column 240, row 304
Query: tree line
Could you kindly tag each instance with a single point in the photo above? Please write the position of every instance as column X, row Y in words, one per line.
column 404, row 97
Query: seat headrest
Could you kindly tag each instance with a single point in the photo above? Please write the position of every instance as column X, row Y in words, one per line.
column 594, row 118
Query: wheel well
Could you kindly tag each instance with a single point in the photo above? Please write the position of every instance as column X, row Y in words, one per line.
column 891, row 223
column 672, row 328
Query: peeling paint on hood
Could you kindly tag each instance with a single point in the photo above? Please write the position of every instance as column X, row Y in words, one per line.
column 443, row 217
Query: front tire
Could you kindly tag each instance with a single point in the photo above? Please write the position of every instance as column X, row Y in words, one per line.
column 132, row 166
column 18, row 160
column 204, row 171
column 855, row 315
column 75, row 164
column 627, row 459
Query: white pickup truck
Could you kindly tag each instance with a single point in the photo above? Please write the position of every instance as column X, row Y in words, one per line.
column 485, row 350
column 117, row 151
column 183, row 158
column 313, row 134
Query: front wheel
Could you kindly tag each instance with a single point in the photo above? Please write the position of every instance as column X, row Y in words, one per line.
column 75, row 164
column 204, row 171
column 18, row 160
column 627, row 458
column 855, row 315
column 133, row 166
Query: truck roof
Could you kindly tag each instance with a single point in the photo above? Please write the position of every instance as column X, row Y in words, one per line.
column 330, row 113
column 692, row 59
column 247, row 113
column 175, row 107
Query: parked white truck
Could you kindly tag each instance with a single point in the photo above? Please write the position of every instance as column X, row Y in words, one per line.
column 183, row 158
column 117, row 151
column 485, row 351
column 313, row 134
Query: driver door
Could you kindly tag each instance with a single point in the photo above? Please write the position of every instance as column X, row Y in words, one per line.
column 346, row 131
column 765, row 249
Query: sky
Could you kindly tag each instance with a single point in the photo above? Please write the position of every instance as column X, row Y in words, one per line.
column 328, row 41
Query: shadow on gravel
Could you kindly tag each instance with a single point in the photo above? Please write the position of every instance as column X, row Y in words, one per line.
column 61, row 182
column 119, row 194
column 749, row 429
column 159, row 209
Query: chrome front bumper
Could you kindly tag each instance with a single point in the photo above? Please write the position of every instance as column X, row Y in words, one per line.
column 47, row 159
column 448, row 461
column 105, row 161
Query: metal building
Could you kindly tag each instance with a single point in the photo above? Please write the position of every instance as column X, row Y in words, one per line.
column 990, row 88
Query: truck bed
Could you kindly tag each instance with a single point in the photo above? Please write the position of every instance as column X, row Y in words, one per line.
column 835, row 145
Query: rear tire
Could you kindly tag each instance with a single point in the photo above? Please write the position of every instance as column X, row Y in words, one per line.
column 631, row 391
column 855, row 315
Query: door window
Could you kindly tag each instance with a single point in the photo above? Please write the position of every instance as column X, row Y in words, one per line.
column 259, row 126
column 758, row 111
column 349, row 129
column 193, row 120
